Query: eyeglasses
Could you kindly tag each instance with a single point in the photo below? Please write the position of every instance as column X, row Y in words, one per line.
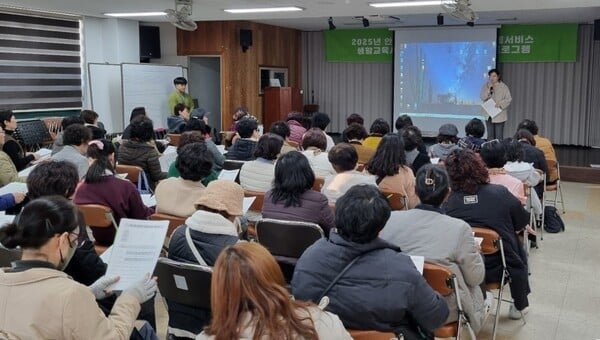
column 490, row 142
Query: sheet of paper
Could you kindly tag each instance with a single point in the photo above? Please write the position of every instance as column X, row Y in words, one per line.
column 221, row 149
column 13, row 187
column 170, row 149
column 229, row 174
column 122, row 176
column 247, row 203
column 25, row 172
column 490, row 107
column 135, row 250
column 166, row 160
column 149, row 200
column 4, row 219
column 44, row 152
column 106, row 255
column 478, row 240
column 419, row 262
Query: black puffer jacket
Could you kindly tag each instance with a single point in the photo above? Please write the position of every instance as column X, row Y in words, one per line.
column 242, row 150
column 145, row 156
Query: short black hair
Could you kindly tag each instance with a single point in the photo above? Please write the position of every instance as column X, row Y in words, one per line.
column 432, row 184
column 280, row 128
column 39, row 221
column 180, row 81
column 137, row 112
column 380, row 127
column 343, row 157
column 70, row 120
column 355, row 131
column 89, row 116
column 355, row 118
column 493, row 154
column 475, row 128
column 411, row 137
column 529, row 125
column 514, row 150
column 245, row 127
column 320, row 120
column 5, row 115
column 76, row 134
column 178, row 108
column 361, row 213
column 495, row 70
column 268, row 146
column 525, row 134
column 403, row 121
column 194, row 161
column 195, row 124
column 388, row 157
column 97, row 170
column 52, row 178
column 142, row 129
column 190, row 137
column 293, row 177
column 314, row 137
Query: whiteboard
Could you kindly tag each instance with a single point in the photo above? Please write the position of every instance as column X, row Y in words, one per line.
column 107, row 95
column 149, row 85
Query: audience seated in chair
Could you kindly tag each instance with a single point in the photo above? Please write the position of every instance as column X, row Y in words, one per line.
column 522, row 171
column 388, row 165
column 243, row 148
column 443, row 240
column 414, row 148
column 189, row 137
column 314, row 145
column 543, row 144
column 177, row 195
column 355, row 134
column 479, row 203
column 475, row 129
column 379, row 286
column 378, row 129
column 493, row 154
column 295, row 121
column 90, row 120
column 138, row 150
column 282, row 129
column 211, row 228
column 8, row 171
column 343, row 157
column 195, row 124
column 446, row 142
column 320, row 121
column 257, row 175
column 534, row 156
column 52, row 305
column 292, row 197
column 75, row 144
column 11, row 146
column 249, row 301
column 176, row 122
column 58, row 140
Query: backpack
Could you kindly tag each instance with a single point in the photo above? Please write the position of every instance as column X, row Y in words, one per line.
column 552, row 221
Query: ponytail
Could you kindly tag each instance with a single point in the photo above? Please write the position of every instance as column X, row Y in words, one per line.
column 99, row 150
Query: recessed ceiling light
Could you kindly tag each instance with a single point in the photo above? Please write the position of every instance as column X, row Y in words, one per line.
column 263, row 10
column 135, row 14
column 406, row 3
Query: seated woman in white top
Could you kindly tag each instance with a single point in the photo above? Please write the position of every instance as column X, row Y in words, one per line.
column 441, row 239
column 343, row 158
column 249, row 301
column 40, row 301
column 258, row 175
column 314, row 144
column 523, row 171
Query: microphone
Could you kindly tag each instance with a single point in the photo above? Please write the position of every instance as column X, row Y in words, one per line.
column 491, row 90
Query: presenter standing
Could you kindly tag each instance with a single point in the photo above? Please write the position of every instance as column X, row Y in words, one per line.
column 179, row 96
column 496, row 89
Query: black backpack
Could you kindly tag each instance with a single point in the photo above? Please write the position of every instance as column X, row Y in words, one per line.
column 552, row 221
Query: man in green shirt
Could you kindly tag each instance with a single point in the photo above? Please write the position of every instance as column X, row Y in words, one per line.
column 179, row 96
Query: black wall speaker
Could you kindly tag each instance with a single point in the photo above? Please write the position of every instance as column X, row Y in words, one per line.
column 440, row 20
column 245, row 39
column 149, row 43
column 597, row 29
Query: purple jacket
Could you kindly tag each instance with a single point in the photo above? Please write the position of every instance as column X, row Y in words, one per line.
column 315, row 208
column 296, row 131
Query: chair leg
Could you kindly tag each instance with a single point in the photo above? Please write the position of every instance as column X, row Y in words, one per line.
column 562, row 201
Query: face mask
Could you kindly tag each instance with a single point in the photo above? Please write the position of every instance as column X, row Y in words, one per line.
column 64, row 262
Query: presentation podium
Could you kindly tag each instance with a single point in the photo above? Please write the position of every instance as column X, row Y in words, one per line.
column 278, row 102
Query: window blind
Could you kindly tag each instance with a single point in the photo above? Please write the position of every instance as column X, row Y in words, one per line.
column 40, row 62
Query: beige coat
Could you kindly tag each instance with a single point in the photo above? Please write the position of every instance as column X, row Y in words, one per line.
column 177, row 196
column 327, row 325
column 501, row 96
column 44, row 303
column 8, row 171
column 403, row 183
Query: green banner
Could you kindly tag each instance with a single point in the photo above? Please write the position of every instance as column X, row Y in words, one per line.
column 359, row 45
column 534, row 43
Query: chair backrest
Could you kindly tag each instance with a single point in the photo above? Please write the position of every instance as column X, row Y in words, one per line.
column 370, row 335
column 132, row 171
column 173, row 138
column 98, row 216
column 174, row 221
column 7, row 256
column 287, row 238
column 491, row 240
column 184, row 283
column 232, row 165
column 258, row 201
column 397, row 200
column 439, row 278
column 318, row 183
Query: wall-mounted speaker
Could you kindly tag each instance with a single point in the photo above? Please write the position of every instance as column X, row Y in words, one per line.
column 245, row 39
column 149, row 43
column 597, row 29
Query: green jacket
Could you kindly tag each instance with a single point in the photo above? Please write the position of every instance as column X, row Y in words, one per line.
column 8, row 171
column 176, row 98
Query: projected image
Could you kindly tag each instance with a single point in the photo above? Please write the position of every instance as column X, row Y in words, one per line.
column 442, row 77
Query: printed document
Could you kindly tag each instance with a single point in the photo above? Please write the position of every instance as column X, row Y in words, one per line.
column 490, row 107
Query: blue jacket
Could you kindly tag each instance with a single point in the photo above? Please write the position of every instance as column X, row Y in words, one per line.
column 382, row 291
column 7, row 201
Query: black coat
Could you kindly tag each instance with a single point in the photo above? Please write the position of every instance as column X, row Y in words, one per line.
column 382, row 291
column 242, row 150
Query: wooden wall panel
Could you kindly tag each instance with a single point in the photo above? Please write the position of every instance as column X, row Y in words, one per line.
column 271, row 46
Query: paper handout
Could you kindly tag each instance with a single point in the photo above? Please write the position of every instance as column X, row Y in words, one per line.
column 135, row 250
column 229, row 174
column 490, row 107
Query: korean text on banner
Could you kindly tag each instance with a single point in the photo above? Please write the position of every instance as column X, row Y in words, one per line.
column 538, row 43
column 359, row 45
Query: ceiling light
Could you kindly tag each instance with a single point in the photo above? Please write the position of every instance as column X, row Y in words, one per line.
column 365, row 22
column 263, row 10
column 406, row 3
column 135, row 14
